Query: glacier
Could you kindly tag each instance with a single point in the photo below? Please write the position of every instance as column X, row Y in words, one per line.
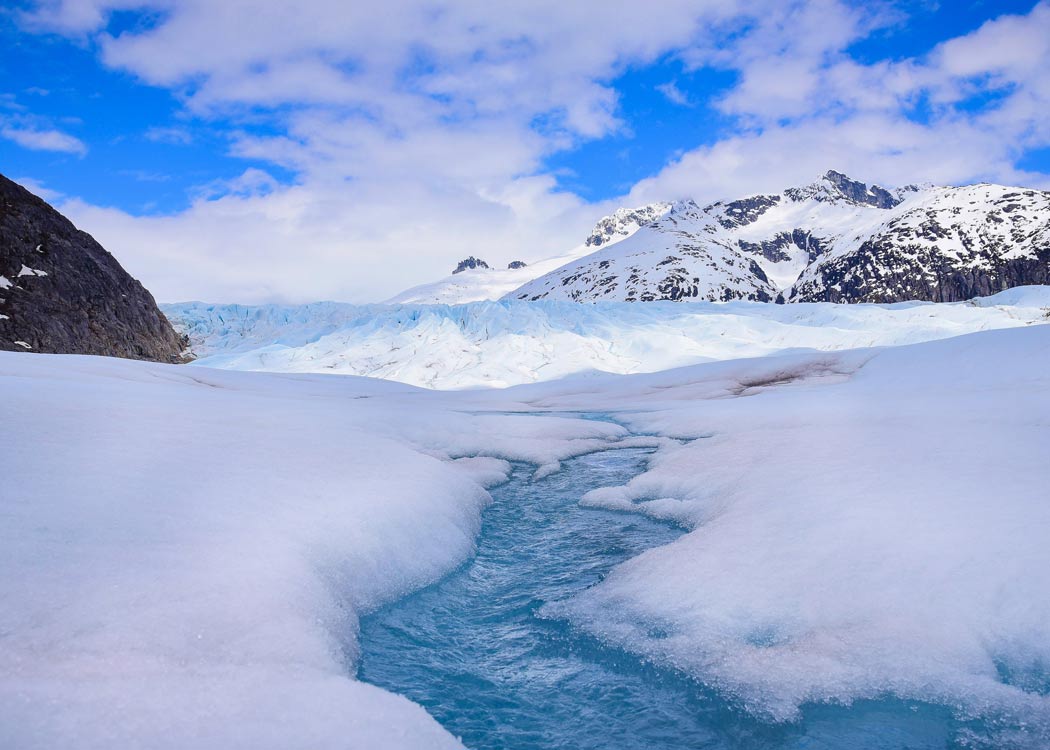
column 498, row 344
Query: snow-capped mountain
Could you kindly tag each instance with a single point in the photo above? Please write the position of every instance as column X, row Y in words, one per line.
column 624, row 222
column 835, row 240
column 477, row 283
column 944, row 244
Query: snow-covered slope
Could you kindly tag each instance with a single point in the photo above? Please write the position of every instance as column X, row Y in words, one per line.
column 184, row 552
column 477, row 284
column 943, row 244
column 506, row 343
column 864, row 524
column 835, row 240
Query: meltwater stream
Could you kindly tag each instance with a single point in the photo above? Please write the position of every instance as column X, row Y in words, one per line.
column 474, row 650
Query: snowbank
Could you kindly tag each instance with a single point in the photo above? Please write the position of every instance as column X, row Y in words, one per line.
column 185, row 551
column 509, row 343
column 864, row 523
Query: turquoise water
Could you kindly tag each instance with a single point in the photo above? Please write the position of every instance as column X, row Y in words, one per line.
column 473, row 650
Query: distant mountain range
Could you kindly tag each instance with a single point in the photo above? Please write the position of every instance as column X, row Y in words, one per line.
column 835, row 240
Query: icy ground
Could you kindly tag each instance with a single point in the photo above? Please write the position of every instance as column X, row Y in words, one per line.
column 185, row 552
column 510, row 343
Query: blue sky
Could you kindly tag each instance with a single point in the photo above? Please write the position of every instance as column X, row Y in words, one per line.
column 293, row 150
column 142, row 153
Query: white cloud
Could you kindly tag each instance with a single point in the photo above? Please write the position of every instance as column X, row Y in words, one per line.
column 674, row 94
column 807, row 110
column 37, row 188
column 43, row 139
column 328, row 241
column 417, row 131
column 178, row 136
column 75, row 17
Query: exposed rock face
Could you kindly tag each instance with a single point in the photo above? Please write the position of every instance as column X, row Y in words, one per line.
column 624, row 222
column 781, row 247
column 514, row 265
column 837, row 186
column 953, row 244
column 61, row 292
column 470, row 262
column 746, row 211
column 835, row 240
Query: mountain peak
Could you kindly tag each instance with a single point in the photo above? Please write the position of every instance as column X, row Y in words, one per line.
column 624, row 222
column 835, row 186
column 469, row 263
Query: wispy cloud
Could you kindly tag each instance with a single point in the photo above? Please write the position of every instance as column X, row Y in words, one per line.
column 143, row 175
column 674, row 94
column 37, row 188
column 43, row 139
column 173, row 135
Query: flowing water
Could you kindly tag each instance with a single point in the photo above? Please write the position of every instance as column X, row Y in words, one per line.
column 475, row 651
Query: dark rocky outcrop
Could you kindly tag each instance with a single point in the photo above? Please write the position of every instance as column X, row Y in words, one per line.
column 61, row 292
column 747, row 210
column 516, row 264
column 881, row 272
column 470, row 262
column 835, row 185
column 976, row 242
column 775, row 250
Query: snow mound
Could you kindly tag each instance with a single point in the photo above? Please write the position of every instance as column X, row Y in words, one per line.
column 185, row 552
column 864, row 524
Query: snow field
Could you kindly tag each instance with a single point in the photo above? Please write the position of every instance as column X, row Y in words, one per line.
column 863, row 524
column 185, row 552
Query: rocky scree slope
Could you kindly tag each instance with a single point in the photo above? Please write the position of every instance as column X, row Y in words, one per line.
column 62, row 292
column 835, row 240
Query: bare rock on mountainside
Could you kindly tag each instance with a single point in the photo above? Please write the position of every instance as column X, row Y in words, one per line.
column 624, row 222
column 957, row 244
column 470, row 262
column 62, row 292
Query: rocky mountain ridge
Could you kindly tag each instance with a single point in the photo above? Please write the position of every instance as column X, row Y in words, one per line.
column 61, row 292
column 836, row 240
column 624, row 222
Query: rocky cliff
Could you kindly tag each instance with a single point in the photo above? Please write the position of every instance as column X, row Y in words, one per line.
column 62, row 292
